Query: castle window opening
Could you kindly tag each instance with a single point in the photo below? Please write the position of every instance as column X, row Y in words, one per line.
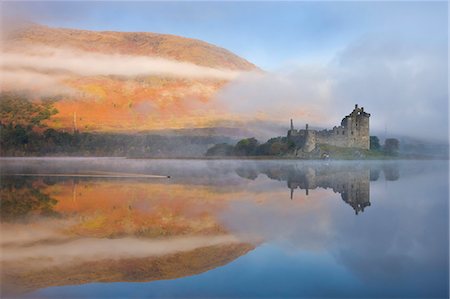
column 342, row 132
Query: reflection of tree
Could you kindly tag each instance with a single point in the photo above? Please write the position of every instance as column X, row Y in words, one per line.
column 247, row 173
column 374, row 175
column 20, row 198
column 351, row 181
column 391, row 172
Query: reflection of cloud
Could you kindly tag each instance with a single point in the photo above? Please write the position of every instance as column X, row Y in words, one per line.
column 405, row 230
column 281, row 220
column 18, row 235
column 90, row 249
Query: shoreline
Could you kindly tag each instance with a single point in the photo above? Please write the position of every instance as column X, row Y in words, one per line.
column 212, row 158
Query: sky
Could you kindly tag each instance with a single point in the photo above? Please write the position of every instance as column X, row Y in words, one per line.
column 269, row 34
column 390, row 57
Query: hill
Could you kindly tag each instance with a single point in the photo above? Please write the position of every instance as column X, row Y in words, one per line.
column 130, row 43
column 102, row 82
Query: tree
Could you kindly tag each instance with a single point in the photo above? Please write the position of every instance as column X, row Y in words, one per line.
column 221, row 149
column 18, row 119
column 375, row 143
column 16, row 110
column 391, row 146
column 276, row 146
column 246, row 147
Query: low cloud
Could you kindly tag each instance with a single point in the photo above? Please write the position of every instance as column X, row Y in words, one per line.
column 84, row 63
column 44, row 71
column 403, row 86
column 301, row 93
column 36, row 83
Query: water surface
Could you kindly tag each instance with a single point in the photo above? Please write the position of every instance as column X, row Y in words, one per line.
column 230, row 229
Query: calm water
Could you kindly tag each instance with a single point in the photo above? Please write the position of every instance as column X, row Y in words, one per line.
column 224, row 229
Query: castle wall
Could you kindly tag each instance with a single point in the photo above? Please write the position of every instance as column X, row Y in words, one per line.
column 303, row 139
column 353, row 133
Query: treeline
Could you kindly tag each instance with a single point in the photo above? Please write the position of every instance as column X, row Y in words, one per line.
column 281, row 146
column 23, row 133
column 391, row 145
column 278, row 146
column 24, row 141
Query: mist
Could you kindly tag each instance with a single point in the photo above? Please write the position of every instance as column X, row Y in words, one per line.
column 43, row 70
column 402, row 85
column 93, row 64
column 35, row 83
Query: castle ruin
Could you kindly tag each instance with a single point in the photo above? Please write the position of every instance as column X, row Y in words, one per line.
column 352, row 133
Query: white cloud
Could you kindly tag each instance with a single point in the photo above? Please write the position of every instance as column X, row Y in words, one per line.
column 44, row 59
column 33, row 82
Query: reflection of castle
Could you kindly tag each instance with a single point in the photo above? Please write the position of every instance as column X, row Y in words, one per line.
column 352, row 181
column 354, row 186
column 353, row 132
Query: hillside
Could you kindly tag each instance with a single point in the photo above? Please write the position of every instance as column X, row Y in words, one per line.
column 131, row 43
column 42, row 61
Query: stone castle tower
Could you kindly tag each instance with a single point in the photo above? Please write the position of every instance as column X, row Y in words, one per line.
column 352, row 133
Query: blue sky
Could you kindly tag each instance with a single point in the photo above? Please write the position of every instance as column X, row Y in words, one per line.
column 269, row 34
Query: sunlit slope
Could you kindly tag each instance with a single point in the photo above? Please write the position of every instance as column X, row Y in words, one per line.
column 132, row 43
column 129, row 102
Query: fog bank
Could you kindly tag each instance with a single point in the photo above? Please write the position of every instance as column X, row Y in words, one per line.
column 402, row 85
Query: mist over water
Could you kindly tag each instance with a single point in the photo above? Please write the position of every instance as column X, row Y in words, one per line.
column 369, row 223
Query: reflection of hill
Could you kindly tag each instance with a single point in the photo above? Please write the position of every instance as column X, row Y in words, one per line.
column 95, row 211
column 92, row 212
column 196, row 202
column 20, row 277
column 20, row 198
